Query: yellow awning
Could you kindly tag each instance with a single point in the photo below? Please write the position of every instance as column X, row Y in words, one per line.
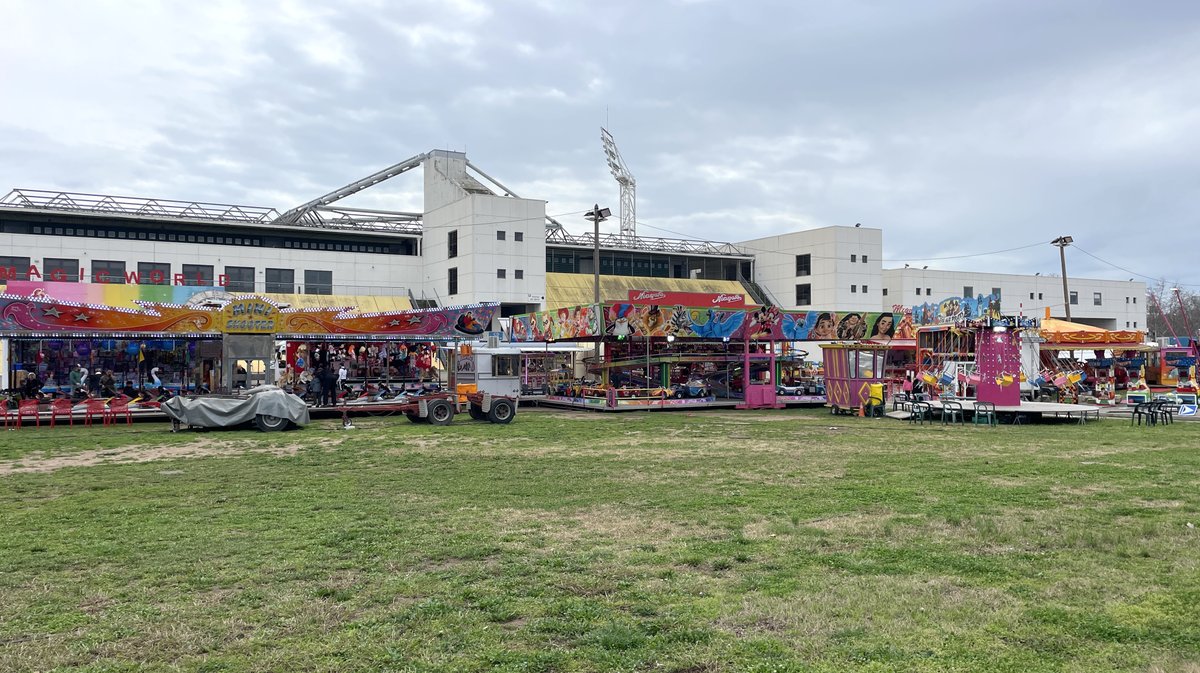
column 361, row 304
column 575, row 289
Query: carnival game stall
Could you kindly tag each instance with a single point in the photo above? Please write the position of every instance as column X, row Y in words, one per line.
column 162, row 349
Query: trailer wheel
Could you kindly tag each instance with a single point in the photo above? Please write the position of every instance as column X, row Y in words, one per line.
column 476, row 412
column 267, row 423
column 414, row 417
column 502, row 411
column 441, row 412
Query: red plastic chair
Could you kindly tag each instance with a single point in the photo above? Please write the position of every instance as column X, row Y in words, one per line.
column 8, row 413
column 61, row 407
column 28, row 408
column 118, row 407
column 92, row 408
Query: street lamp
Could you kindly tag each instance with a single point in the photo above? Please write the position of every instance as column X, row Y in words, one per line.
column 1062, row 242
column 596, row 215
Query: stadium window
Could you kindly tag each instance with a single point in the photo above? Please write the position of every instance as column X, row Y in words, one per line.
column 853, row 289
column 108, row 271
column 452, row 244
column 1074, row 297
column 996, row 292
column 804, row 294
column 1097, row 300
column 318, row 282
column 968, row 292
column 864, row 289
column 499, row 234
column 198, row 274
column 519, row 274
column 452, row 281
column 154, row 273
column 864, row 259
column 885, row 291
column 60, row 270
column 281, row 281
column 804, row 265
column 1039, row 296
column 15, row 268
column 1031, row 295
column 518, row 236
column 239, row 279
column 928, row 292
column 500, row 273
column 853, row 258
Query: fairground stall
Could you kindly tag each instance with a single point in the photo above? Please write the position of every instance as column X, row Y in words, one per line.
column 219, row 343
column 678, row 355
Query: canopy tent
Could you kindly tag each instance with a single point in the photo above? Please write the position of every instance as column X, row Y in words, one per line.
column 1063, row 335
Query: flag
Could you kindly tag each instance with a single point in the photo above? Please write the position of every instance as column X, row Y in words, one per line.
column 141, row 353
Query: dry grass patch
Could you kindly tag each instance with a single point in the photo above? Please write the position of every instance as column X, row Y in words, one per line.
column 203, row 448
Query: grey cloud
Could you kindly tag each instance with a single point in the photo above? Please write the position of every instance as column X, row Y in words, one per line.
column 955, row 127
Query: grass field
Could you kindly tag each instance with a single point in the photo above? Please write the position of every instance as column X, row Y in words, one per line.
column 722, row 541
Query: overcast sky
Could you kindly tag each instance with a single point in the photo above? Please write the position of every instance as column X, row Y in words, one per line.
column 956, row 127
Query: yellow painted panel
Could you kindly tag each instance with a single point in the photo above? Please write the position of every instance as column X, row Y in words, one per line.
column 574, row 289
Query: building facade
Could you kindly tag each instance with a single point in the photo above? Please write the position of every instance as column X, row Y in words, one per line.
column 476, row 241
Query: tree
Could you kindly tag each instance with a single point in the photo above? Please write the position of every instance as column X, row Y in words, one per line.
column 1173, row 311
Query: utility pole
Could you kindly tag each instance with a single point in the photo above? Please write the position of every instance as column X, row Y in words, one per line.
column 1062, row 242
column 596, row 215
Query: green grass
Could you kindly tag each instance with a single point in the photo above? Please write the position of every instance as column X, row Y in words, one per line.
column 776, row 541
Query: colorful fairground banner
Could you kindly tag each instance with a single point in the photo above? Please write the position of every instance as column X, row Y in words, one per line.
column 44, row 314
column 957, row 309
column 563, row 324
column 628, row 319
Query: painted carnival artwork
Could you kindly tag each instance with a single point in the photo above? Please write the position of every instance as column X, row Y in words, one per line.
column 957, row 309
column 628, row 319
column 241, row 314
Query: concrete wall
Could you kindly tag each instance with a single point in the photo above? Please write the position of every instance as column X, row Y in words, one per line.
column 836, row 281
column 356, row 273
column 1122, row 303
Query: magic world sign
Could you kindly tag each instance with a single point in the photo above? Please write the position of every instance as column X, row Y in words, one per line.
column 155, row 277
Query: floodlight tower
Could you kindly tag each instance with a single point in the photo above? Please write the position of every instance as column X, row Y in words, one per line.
column 628, row 185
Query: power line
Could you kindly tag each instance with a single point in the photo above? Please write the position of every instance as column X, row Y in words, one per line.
column 1135, row 273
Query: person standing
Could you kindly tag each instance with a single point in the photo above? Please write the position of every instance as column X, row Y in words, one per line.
column 328, row 387
column 76, row 380
column 342, row 376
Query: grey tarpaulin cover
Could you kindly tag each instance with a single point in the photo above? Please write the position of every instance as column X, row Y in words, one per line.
column 220, row 412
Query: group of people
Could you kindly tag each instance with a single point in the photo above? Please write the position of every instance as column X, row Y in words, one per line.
column 323, row 384
column 81, row 383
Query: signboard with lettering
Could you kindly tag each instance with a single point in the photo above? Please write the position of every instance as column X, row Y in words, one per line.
column 689, row 299
column 249, row 315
